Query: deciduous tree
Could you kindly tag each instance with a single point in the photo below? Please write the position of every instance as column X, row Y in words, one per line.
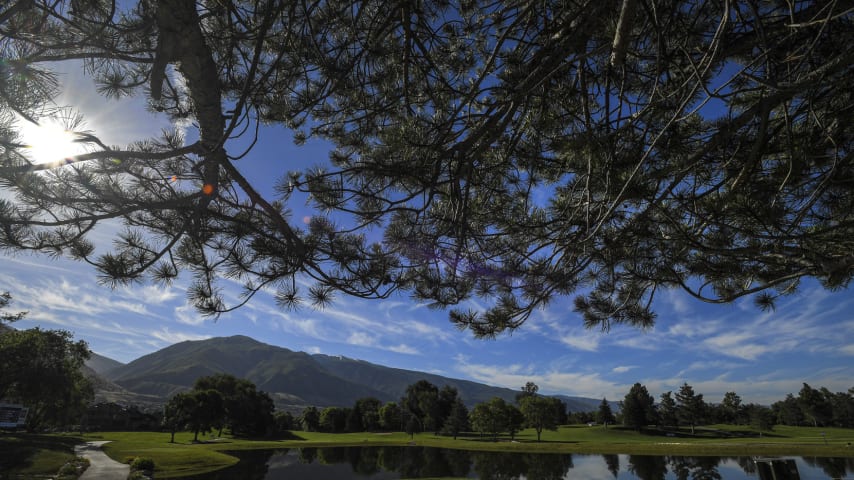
column 422, row 400
column 369, row 409
column 490, row 417
column 540, row 413
column 530, row 389
column 203, row 410
column 310, row 419
column 176, row 413
column 458, row 419
column 667, row 155
column 42, row 370
column 391, row 417
column 246, row 411
column 333, row 420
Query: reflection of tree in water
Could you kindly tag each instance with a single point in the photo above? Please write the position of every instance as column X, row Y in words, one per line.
column 307, row 455
column 425, row 462
column 459, row 462
column 648, row 467
column 333, row 455
column 547, row 467
column 613, row 463
column 495, row 466
column 364, row 461
column 695, row 468
column 746, row 463
column 834, row 467
column 389, row 459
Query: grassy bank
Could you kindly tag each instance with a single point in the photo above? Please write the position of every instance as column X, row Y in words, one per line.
column 45, row 454
column 185, row 458
column 34, row 455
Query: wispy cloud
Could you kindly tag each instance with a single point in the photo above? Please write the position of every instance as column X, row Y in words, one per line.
column 623, row 368
column 188, row 315
column 582, row 340
column 361, row 339
column 169, row 337
column 515, row 375
column 737, row 344
column 405, row 349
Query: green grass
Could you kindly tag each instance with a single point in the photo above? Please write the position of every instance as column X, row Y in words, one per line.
column 187, row 458
column 31, row 455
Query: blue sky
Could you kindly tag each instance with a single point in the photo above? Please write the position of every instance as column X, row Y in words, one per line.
column 716, row 348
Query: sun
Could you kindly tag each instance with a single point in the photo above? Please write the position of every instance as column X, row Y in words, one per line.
column 49, row 142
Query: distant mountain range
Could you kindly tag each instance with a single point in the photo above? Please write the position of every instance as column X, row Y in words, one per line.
column 293, row 379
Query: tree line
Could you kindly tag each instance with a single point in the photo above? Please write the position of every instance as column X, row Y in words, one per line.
column 220, row 401
column 816, row 407
column 223, row 401
column 426, row 408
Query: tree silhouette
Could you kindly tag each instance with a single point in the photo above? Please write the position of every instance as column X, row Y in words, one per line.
column 516, row 152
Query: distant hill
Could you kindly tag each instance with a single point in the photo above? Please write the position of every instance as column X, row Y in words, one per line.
column 293, row 379
column 393, row 382
column 101, row 364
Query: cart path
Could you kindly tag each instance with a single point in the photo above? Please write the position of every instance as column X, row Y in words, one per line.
column 101, row 467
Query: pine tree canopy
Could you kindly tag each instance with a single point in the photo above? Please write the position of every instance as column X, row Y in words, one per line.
column 511, row 151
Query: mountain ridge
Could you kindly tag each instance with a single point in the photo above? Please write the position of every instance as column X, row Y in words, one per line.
column 293, row 379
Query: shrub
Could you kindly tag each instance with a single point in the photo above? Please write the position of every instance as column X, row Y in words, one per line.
column 142, row 463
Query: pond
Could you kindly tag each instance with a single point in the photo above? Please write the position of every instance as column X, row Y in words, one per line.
column 388, row 463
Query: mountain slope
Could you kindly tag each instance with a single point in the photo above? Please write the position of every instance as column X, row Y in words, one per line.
column 101, row 364
column 393, row 381
column 292, row 377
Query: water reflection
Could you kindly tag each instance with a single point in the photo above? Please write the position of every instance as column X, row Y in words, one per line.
column 387, row 463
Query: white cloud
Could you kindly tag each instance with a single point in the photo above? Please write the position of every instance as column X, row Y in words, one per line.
column 623, row 369
column 847, row 349
column 151, row 294
column 737, row 344
column 550, row 382
column 405, row 349
column 582, row 340
column 678, row 301
column 188, row 315
column 361, row 339
column 642, row 341
column 59, row 294
column 166, row 335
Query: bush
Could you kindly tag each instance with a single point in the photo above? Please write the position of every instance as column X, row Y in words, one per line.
column 143, row 464
column 73, row 469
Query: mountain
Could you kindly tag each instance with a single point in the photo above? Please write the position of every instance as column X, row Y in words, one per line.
column 393, row 382
column 101, row 364
column 293, row 379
